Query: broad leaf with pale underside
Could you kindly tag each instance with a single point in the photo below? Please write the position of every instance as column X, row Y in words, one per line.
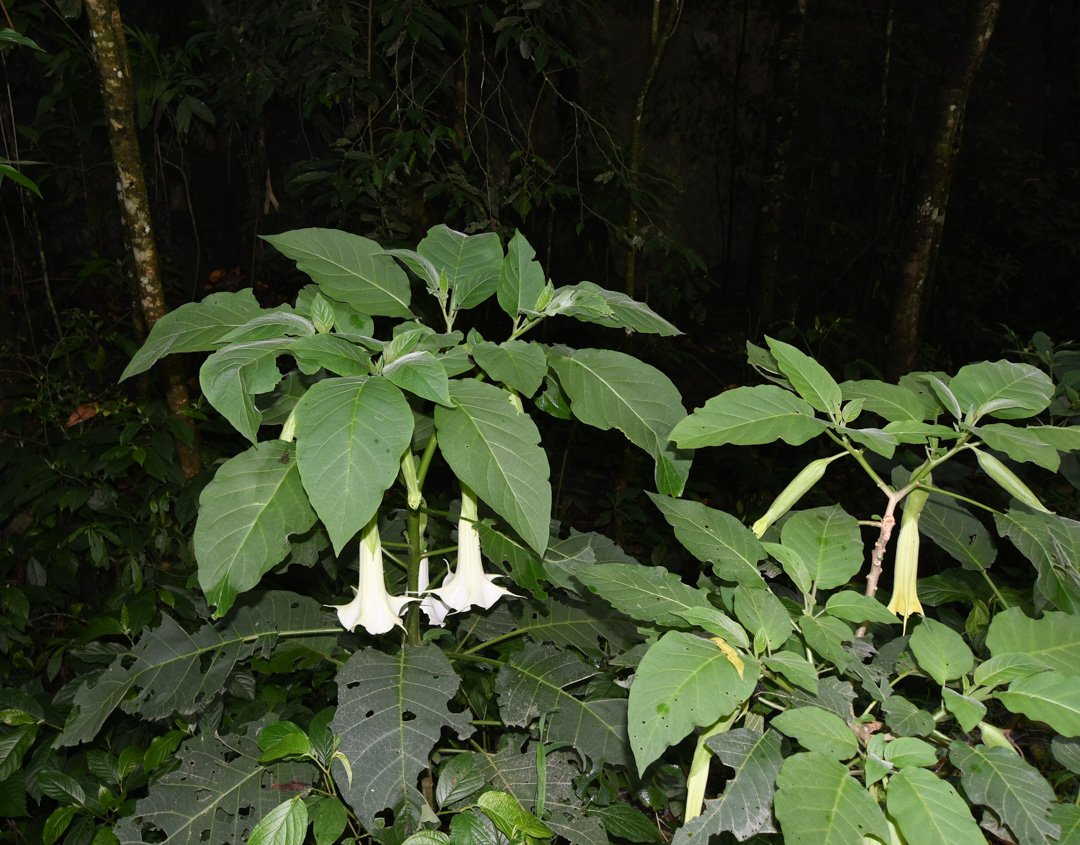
column 348, row 268
column 493, row 448
column 747, row 416
column 351, row 434
column 828, row 541
column 246, row 516
column 233, row 376
column 610, row 389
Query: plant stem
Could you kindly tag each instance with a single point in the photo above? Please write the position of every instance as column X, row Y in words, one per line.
column 412, row 615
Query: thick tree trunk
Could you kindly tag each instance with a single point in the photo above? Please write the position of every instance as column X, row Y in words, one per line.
column 926, row 219
column 774, row 191
column 118, row 95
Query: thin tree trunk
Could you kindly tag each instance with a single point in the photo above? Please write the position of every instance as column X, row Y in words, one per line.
column 118, row 95
column 926, row 219
column 770, row 226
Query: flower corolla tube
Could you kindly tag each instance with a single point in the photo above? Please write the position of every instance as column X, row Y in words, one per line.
column 468, row 585
column 373, row 608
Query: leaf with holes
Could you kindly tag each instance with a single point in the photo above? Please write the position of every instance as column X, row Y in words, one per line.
column 391, row 710
column 682, row 682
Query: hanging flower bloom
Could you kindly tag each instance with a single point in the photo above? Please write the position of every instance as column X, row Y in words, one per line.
column 373, row 609
column 434, row 608
column 469, row 586
column 905, row 597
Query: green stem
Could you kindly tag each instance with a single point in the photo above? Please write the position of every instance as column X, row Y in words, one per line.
column 472, row 658
column 993, row 586
column 412, row 614
column 425, row 460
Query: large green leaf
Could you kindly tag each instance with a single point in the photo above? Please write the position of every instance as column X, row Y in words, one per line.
column 819, row 803
column 1053, row 640
column 645, row 593
column 1002, row 389
column 1020, row 444
column 716, row 537
column 348, row 268
column 683, row 681
column 762, row 614
column 350, row 436
column 811, row 380
column 855, row 607
column 573, row 622
column 893, row 402
column 941, row 652
column 538, row 681
column 233, row 376
column 469, row 261
column 215, row 796
column 818, row 730
column 929, row 811
column 1012, row 788
column 626, row 313
column 746, row 805
column 421, row 373
column 518, row 364
column 1052, row 543
column 521, row 278
column 611, row 389
column 954, row 529
column 194, row 327
column 174, row 672
column 246, row 516
column 493, row 448
column 829, row 543
column 392, row 709
column 332, row 352
column 746, row 416
column 1047, row 697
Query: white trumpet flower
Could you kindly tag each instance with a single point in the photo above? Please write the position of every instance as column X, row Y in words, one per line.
column 433, row 607
column 373, row 608
column 469, row 586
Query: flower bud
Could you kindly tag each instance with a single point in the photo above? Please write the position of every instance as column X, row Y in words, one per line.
column 905, row 597
column 1008, row 481
column 811, row 474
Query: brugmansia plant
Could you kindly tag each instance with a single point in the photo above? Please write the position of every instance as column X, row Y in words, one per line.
column 543, row 684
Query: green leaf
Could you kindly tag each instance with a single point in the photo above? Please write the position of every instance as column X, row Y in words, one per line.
column 828, row 541
column 968, row 711
column 536, row 681
column 348, row 268
column 610, row 389
column 645, row 593
column 1002, row 389
column 929, row 811
column 762, row 614
column 627, row 313
column 818, row 730
column 174, row 672
column 1020, row 444
column 194, row 327
column 471, row 262
column 58, row 822
column 1066, row 750
column 797, row 669
column 818, row 803
column 1053, row 641
column 474, row 828
column 521, row 278
column 332, row 352
column 917, row 432
column 329, row 821
column 217, row 793
column 627, row 822
column 907, row 751
column 458, row 778
column 747, row 416
column 1065, row 438
column 392, row 708
column 905, row 719
column 826, row 635
column 493, row 448
column 6, row 170
column 793, row 565
column 61, row 787
column 508, row 816
column 941, row 652
column 1007, row 667
column 272, row 325
column 957, row 532
column 518, row 364
column 1052, row 543
column 246, row 516
column 13, row 747
column 282, row 739
column 892, row 402
column 526, row 568
column 715, row 537
column 233, row 376
column 286, row 824
column 746, row 805
column 683, row 681
column 350, row 436
column 855, row 607
column 1046, row 697
column 999, row 779
column 810, row 380
column 1068, row 817
column 420, row 373
column 715, row 622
